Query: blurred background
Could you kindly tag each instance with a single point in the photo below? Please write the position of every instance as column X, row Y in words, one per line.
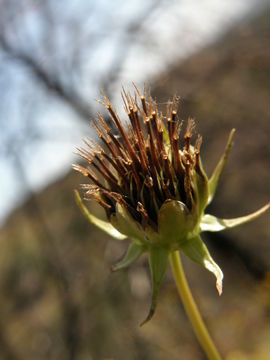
column 58, row 299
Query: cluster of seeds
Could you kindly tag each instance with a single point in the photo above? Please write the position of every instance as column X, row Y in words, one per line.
column 144, row 164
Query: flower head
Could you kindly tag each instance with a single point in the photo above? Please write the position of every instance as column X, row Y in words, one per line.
column 150, row 181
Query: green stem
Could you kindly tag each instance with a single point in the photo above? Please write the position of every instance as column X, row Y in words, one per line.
column 191, row 308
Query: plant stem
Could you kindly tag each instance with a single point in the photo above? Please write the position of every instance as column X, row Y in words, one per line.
column 191, row 308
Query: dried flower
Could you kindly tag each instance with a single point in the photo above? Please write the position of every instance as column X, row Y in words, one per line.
column 154, row 190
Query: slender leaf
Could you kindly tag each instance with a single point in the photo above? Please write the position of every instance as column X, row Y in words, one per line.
column 214, row 180
column 132, row 254
column 103, row 225
column 158, row 261
column 196, row 250
column 212, row 223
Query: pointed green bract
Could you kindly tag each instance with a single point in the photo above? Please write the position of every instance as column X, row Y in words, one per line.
column 212, row 223
column 196, row 250
column 214, row 180
column 126, row 225
column 158, row 261
column 133, row 253
column 103, row 225
column 202, row 191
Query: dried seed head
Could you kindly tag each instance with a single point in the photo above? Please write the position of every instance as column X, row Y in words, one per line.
column 144, row 163
column 153, row 190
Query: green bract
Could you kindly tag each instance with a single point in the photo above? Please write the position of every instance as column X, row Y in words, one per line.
column 153, row 191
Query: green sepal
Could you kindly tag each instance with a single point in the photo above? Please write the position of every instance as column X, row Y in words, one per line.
column 158, row 261
column 196, row 250
column 174, row 222
column 126, row 225
column 133, row 253
column 214, row 180
column 212, row 223
column 101, row 224
column 201, row 189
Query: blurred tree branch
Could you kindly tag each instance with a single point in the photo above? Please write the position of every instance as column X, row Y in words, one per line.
column 68, row 94
column 47, row 80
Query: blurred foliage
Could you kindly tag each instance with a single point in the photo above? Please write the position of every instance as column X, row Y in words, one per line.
column 60, row 301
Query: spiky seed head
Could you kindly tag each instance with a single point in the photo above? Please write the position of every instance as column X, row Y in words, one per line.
column 150, row 180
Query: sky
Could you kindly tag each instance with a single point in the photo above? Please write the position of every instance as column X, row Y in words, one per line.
column 176, row 31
